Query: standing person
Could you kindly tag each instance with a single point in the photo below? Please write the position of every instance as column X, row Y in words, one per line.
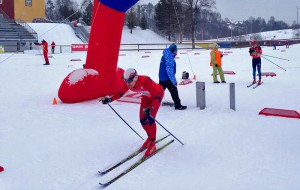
column 274, row 45
column 167, row 71
column 216, row 63
column 255, row 51
column 18, row 46
column 53, row 47
column 45, row 50
column 152, row 95
column 287, row 44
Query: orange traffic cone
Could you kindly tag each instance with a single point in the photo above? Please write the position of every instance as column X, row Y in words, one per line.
column 194, row 77
column 54, row 101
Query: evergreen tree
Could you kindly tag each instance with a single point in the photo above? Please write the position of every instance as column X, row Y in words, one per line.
column 166, row 19
column 210, row 26
column 87, row 7
column 131, row 19
column 271, row 23
column 66, row 9
column 50, row 10
column 149, row 10
column 143, row 23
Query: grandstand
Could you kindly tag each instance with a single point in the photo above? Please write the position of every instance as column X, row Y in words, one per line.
column 15, row 35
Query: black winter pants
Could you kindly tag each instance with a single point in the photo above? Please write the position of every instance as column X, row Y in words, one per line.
column 173, row 91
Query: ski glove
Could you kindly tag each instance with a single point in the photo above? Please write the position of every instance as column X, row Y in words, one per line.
column 147, row 111
column 216, row 65
column 251, row 51
column 105, row 100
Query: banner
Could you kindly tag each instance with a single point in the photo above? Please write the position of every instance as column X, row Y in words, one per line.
column 79, row 47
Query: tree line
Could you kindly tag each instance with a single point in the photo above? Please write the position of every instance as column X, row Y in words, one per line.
column 177, row 20
column 69, row 10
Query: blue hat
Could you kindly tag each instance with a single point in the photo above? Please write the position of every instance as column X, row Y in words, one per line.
column 173, row 48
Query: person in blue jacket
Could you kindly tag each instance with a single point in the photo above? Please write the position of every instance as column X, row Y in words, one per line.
column 167, row 71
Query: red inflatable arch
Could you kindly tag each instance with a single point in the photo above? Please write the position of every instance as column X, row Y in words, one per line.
column 100, row 77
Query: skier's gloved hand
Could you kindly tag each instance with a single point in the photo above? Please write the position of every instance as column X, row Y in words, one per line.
column 216, row 65
column 119, row 5
column 251, row 50
column 105, row 100
column 147, row 111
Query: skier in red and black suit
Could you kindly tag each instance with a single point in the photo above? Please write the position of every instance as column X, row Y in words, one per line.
column 152, row 95
column 45, row 50
column 255, row 51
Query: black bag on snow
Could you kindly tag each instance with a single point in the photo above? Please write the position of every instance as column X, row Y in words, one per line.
column 185, row 75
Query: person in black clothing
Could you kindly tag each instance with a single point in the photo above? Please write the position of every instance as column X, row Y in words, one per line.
column 167, row 71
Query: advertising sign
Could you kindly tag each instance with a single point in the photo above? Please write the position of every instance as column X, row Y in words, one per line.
column 79, row 47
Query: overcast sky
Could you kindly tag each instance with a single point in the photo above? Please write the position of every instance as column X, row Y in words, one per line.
column 242, row 9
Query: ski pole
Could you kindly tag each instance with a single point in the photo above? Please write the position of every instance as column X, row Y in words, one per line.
column 124, row 121
column 275, row 57
column 272, row 62
column 166, row 130
column 7, row 58
column 190, row 63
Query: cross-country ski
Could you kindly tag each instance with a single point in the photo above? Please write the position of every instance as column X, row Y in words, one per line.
column 136, row 164
column 132, row 155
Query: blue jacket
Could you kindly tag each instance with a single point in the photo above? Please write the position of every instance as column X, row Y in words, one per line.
column 167, row 68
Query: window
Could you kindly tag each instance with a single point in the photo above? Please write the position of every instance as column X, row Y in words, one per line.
column 1, row 2
column 28, row 3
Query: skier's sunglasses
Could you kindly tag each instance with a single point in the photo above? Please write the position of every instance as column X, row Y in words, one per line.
column 130, row 79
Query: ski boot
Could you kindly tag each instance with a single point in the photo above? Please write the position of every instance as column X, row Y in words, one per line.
column 146, row 144
column 151, row 149
column 259, row 82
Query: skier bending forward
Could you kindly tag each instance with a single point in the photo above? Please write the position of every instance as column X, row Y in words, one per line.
column 152, row 95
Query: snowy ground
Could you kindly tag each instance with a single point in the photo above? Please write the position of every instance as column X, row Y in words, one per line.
column 61, row 34
column 61, row 147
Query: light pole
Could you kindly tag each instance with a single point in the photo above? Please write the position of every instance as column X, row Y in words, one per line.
column 231, row 28
column 230, row 25
column 297, row 16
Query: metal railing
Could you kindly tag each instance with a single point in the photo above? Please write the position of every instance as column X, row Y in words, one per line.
column 27, row 27
column 84, row 36
column 139, row 47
